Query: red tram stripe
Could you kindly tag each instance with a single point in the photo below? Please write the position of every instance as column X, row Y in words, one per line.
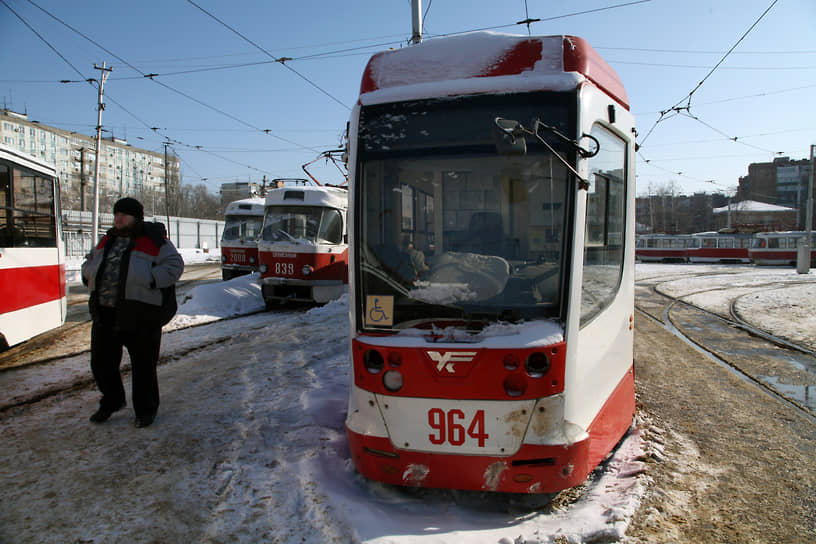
column 24, row 287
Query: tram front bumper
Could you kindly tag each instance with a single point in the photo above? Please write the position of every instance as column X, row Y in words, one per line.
column 533, row 469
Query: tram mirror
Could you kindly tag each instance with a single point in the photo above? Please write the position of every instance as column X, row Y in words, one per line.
column 509, row 137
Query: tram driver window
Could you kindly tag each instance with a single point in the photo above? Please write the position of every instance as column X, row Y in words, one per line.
column 605, row 221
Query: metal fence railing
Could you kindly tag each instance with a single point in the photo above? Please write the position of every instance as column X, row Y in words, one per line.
column 184, row 232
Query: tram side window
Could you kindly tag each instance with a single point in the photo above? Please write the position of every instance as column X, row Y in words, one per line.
column 605, row 221
column 32, row 210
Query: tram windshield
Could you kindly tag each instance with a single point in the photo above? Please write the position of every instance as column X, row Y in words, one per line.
column 302, row 225
column 241, row 228
column 452, row 233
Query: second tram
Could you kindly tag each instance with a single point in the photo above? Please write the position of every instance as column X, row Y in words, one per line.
column 492, row 264
column 303, row 248
column 33, row 293
column 239, row 241
column 663, row 248
column 780, row 248
column 720, row 247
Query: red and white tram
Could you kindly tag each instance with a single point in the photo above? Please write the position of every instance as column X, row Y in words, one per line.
column 492, row 256
column 780, row 248
column 720, row 247
column 663, row 248
column 303, row 248
column 33, row 294
column 239, row 241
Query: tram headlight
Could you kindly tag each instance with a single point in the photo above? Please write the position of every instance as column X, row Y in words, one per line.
column 373, row 361
column 252, row 260
column 392, row 380
column 223, row 258
column 515, row 385
column 263, row 268
column 537, row 364
column 306, row 270
column 511, row 361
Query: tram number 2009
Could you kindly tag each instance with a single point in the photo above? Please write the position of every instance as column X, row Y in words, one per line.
column 285, row 269
column 450, row 427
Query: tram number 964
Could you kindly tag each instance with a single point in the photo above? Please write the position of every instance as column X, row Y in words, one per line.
column 450, row 427
column 285, row 269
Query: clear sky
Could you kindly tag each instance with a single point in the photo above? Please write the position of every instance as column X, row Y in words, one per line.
column 218, row 93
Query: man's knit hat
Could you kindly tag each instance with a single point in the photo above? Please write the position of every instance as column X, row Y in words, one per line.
column 130, row 206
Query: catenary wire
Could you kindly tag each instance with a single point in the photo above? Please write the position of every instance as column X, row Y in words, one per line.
column 281, row 60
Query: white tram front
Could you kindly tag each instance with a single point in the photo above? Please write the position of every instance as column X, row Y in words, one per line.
column 303, row 248
column 239, row 241
column 492, row 264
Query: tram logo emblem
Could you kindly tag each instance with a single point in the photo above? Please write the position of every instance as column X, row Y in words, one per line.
column 446, row 360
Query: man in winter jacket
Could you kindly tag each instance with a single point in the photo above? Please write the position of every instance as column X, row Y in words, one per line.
column 129, row 276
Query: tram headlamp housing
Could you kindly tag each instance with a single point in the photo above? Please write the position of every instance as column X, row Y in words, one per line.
column 306, row 270
column 252, row 260
column 373, row 361
column 223, row 258
column 537, row 364
column 392, row 380
column 263, row 268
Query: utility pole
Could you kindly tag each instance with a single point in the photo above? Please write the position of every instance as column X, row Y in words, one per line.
column 100, row 106
column 416, row 21
column 82, row 179
column 167, row 188
column 803, row 251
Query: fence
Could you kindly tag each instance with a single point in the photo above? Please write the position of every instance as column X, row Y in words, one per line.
column 184, row 232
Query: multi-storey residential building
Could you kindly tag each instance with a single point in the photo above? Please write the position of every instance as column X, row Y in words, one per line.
column 783, row 182
column 124, row 170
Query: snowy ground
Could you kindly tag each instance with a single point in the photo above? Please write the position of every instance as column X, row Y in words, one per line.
column 249, row 444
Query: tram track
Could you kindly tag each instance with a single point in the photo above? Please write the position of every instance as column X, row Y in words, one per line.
column 780, row 371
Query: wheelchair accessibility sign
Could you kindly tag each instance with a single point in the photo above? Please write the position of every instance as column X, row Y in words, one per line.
column 379, row 311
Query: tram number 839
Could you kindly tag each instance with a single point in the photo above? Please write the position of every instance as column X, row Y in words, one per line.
column 449, row 428
column 285, row 269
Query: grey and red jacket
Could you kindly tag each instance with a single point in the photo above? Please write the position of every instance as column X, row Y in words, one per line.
column 149, row 267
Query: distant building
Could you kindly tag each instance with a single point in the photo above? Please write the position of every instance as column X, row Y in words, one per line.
column 124, row 170
column 783, row 182
column 753, row 216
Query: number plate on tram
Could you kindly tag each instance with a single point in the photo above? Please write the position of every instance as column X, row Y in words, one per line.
column 456, row 426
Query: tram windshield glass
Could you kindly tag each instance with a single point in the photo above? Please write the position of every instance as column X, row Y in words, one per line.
column 244, row 228
column 450, row 231
column 302, row 225
column 27, row 209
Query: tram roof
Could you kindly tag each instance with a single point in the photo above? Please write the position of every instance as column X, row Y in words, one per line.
column 487, row 62
column 24, row 159
column 308, row 195
column 246, row 206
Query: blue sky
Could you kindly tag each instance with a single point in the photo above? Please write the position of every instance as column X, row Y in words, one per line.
column 216, row 93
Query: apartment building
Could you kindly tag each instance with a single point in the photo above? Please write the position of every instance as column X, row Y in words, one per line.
column 124, row 170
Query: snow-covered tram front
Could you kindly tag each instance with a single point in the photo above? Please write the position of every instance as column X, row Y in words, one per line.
column 492, row 264
column 303, row 247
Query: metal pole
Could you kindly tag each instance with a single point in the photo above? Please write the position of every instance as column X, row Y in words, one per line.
column 167, row 190
column 100, row 106
column 803, row 251
column 416, row 21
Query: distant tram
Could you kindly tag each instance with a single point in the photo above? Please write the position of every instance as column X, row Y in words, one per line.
column 663, row 248
column 33, row 293
column 303, row 248
column 492, row 264
column 780, row 248
column 718, row 247
column 239, row 241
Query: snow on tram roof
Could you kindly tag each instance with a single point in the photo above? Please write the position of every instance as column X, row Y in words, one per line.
column 486, row 62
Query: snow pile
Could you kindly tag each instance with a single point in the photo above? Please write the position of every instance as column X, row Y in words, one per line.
column 214, row 301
